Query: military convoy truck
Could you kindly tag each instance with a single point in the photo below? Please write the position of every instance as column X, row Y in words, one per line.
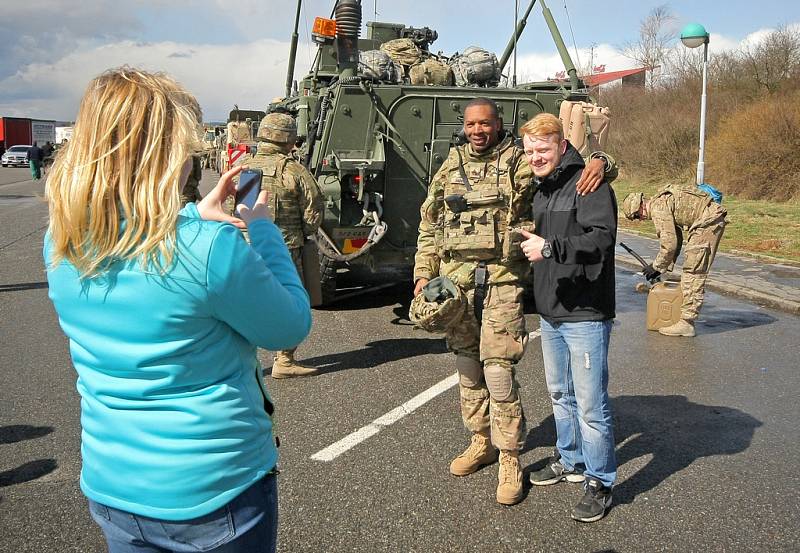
column 374, row 145
column 236, row 139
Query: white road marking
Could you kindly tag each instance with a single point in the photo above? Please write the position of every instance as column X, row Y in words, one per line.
column 334, row 450
column 351, row 440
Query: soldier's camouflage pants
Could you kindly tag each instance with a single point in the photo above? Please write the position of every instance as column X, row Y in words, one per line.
column 287, row 356
column 486, row 355
column 701, row 248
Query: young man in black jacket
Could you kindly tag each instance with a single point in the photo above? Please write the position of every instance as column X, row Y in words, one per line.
column 573, row 283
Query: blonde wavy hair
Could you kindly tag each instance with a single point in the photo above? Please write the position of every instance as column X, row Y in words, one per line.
column 114, row 190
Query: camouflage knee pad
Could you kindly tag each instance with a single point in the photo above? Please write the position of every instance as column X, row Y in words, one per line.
column 469, row 370
column 500, row 381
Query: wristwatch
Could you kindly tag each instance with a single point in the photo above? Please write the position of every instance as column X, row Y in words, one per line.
column 547, row 250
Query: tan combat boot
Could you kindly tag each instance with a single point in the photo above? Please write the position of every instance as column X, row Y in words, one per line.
column 285, row 366
column 479, row 453
column 681, row 328
column 509, row 488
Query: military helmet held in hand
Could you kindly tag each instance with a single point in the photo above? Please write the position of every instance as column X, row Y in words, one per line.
column 631, row 204
column 440, row 306
column 278, row 127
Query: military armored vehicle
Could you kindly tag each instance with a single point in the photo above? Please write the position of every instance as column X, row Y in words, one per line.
column 374, row 144
column 239, row 137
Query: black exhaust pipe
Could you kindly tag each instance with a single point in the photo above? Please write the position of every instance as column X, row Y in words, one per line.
column 348, row 28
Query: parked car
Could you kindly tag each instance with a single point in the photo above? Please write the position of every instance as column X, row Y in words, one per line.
column 16, row 155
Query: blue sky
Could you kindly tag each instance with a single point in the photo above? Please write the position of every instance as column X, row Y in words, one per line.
column 235, row 52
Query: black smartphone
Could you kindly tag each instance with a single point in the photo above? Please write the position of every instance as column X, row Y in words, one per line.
column 248, row 190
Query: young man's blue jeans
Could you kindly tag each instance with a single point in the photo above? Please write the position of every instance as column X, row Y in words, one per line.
column 248, row 524
column 576, row 369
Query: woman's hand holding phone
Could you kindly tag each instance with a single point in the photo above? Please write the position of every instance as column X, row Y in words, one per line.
column 260, row 209
column 211, row 207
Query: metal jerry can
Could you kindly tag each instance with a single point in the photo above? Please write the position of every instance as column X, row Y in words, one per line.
column 664, row 304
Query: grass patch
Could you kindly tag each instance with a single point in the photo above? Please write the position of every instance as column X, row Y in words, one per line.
column 754, row 226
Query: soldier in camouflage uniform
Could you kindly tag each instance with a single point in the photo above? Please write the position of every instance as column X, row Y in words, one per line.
column 465, row 239
column 296, row 203
column 191, row 190
column 675, row 210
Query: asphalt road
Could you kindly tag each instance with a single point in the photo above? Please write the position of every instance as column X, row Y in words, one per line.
column 706, row 429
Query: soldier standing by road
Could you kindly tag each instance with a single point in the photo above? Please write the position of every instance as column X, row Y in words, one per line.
column 296, row 203
column 673, row 210
column 478, row 197
column 191, row 190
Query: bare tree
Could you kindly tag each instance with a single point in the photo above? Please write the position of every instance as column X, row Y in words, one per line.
column 656, row 34
column 774, row 61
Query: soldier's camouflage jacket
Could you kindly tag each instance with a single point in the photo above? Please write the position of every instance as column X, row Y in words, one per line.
column 675, row 209
column 294, row 195
column 451, row 244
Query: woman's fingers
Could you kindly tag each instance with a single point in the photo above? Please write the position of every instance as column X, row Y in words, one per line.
column 263, row 196
column 226, row 186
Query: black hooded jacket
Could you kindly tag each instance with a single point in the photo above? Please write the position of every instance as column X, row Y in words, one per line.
column 577, row 282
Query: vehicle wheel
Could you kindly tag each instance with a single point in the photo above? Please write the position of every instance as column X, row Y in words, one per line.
column 327, row 278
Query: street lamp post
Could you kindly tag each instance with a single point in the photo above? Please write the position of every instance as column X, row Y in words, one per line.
column 692, row 36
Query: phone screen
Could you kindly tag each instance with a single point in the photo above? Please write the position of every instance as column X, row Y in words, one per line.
column 249, row 188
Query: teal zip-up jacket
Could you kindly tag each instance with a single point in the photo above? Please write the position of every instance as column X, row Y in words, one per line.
column 173, row 407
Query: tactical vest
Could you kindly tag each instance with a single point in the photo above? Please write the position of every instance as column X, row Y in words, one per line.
column 280, row 182
column 690, row 203
column 481, row 231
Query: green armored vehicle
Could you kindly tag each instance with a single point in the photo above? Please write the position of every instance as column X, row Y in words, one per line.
column 374, row 141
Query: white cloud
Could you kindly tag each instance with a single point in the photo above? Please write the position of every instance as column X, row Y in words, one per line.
column 536, row 66
column 540, row 66
column 249, row 75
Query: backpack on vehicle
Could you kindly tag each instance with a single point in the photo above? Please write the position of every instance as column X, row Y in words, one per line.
column 431, row 71
column 403, row 51
column 475, row 67
column 378, row 65
column 715, row 194
column 586, row 125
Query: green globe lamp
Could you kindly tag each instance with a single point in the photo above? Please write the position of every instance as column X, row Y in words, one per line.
column 694, row 35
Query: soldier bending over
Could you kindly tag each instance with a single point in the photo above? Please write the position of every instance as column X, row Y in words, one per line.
column 673, row 210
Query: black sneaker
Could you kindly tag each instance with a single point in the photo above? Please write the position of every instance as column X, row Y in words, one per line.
column 554, row 472
column 596, row 500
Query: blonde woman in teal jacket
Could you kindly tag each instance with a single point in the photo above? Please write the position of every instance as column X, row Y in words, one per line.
column 164, row 309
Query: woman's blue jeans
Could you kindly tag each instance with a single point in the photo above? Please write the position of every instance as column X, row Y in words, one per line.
column 576, row 368
column 249, row 523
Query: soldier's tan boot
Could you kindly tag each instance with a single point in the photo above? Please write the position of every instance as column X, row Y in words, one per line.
column 285, row 366
column 681, row 328
column 479, row 453
column 509, row 487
